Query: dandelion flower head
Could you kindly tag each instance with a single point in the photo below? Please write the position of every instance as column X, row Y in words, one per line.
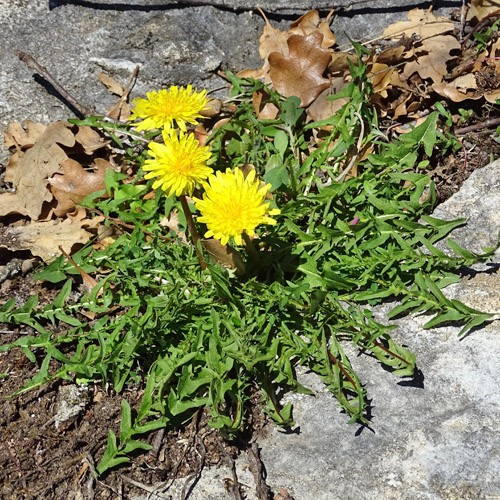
column 162, row 108
column 234, row 204
column 180, row 163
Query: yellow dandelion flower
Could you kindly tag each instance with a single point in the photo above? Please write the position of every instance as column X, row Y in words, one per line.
column 162, row 108
column 234, row 204
column 179, row 164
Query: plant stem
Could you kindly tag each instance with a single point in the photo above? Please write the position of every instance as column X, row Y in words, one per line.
column 251, row 248
column 192, row 229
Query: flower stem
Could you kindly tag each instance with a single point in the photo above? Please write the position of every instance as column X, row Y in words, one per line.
column 192, row 229
column 254, row 255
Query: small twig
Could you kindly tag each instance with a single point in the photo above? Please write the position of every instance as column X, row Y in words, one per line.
column 33, row 64
column 193, row 428
column 465, row 154
column 462, row 20
column 481, row 25
column 126, row 91
column 257, row 469
column 109, row 131
column 155, row 450
column 493, row 122
column 145, row 487
column 194, row 478
column 234, row 488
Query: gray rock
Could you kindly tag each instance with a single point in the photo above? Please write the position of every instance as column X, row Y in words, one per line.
column 174, row 45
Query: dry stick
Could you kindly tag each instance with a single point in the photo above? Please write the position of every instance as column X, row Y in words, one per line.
column 256, row 468
column 462, row 21
column 477, row 126
column 155, row 450
column 145, row 487
column 481, row 25
column 31, row 63
column 191, row 481
column 192, row 229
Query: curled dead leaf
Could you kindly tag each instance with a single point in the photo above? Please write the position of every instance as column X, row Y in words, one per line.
column 33, row 169
column 90, row 140
column 310, row 22
column 300, row 73
column 321, row 108
column 75, row 183
column 22, row 136
column 42, row 239
column 225, row 255
column 111, row 84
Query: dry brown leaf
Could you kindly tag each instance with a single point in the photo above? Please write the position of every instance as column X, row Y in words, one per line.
column 272, row 40
column 301, row 73
column 224, row 254
column 381, row 77
column 111, row 84
column 14, row 161
column 340, row 62
column 42, row 239
column 433, row 64
column 90, row 140
column 422, row 23
column 391, row 55
column 34, row 168
column 75, row 183
column 432, row 50
column 172, row 223
column 266, row 111
column 460, row 89
column 310, row 22
column 22, row 136
column 321, row 109
column 492, row 96
column 479, row 9
column 212, row 108
column 256, row 74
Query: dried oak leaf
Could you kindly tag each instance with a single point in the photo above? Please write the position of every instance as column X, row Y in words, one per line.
column 460, row 89
column 321, row 108
column 266, row 110
column 274, row 40
column 43, row 239
column 22, row 136
column 75, row 183
column 432, row 51
column 479, row 9
column 309, row 23
column 34, row 168
column 301, row 73
column 90, row 140
column 111, row 84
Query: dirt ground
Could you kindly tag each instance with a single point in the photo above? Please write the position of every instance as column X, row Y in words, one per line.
column 41, row 458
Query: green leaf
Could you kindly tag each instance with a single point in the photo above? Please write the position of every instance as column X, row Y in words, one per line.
column 424, row 134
